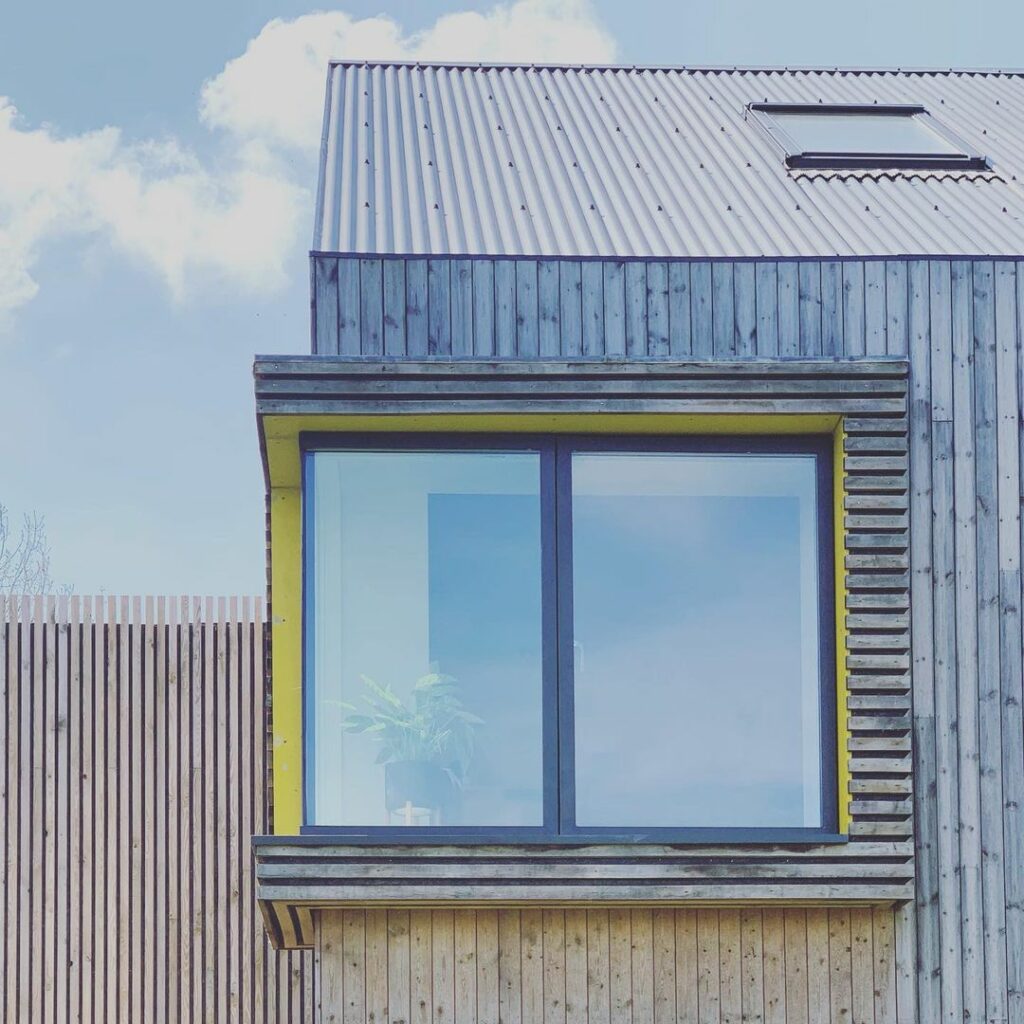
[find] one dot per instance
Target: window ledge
(297, 874)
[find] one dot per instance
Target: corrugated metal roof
(508, 160)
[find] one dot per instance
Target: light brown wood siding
(132, 733)
(624, 966)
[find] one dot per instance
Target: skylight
(875, 136)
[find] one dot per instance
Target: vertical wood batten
(129, 888)
(723, 306)
(745, 308)
(350, 327)
(966, 628)
(766, 288)
(788, 301)
(394, 306)
(325, 318)
(1010, 406)
(549, 314)
(570, 307)
(990, 822)
(658, 323)
(809, 284)
(635, 275)
(462, 307)
(920, 962)
(483, 308)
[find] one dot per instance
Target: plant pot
(417, 786)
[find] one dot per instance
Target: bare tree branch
(25, 559)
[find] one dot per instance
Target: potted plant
(426, 745)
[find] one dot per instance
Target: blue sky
(156, 173)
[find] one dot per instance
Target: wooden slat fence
(133, 734)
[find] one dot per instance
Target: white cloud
(153, 201)
(275, 90)
(237, 218)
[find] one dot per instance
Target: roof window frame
(967, 159)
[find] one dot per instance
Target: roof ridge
(476, 65)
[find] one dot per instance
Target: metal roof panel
(553, 160)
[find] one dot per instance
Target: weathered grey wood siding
(960, 324)
(638, 309)
(132, 736)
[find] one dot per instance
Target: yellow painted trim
(281, 439)
(286, 656)
(839, 574)
(281, 432)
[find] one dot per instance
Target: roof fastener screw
(592, 206)
(522, 207)
(435, 206)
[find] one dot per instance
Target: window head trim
(559, 827)
(966, 159)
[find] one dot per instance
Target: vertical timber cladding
(960, 323)
(131, 731)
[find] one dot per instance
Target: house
(644, 549)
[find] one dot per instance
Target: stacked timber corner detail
(864, 405)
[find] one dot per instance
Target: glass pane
(696, 640)
(427, 639)
(863, 133)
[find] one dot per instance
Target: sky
(157, 172)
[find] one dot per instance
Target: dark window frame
(967, 159)
(555, 454)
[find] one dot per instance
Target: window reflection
(427, 639)
(695, 596)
